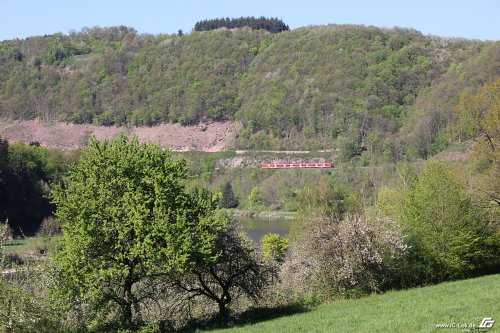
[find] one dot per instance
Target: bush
(13, 259)
(341, 257)
(6, 232)
(274, 247)
(49, 227)
(255, 197)
(26, 307)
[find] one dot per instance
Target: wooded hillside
(384, 93)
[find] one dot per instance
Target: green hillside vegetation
(135, 238)
(415, 310)
(374, 93)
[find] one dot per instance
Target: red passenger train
(296, 165)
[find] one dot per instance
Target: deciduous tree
(127, 219)
(479, 119)
(238, 271)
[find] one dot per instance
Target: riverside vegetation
(145, 245)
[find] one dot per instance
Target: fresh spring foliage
(450, 239)
(127, 218)
(450, 235)
(274, 247)
(255, 198)
(479, 119)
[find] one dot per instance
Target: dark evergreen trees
(228, 199)
(273, 25)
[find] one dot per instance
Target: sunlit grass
(414, 310)
(17, 245)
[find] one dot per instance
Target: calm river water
(258, 227)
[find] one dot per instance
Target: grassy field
(17, 245)
(30, 245)
(415, 310)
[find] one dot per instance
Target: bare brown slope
(210, 137)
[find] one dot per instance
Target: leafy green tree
(274, 247)
(228, 199)
(255, 197)
(238, 271)
(449, 239)
(479, 119)
(128, 219)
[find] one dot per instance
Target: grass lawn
(17, 245)
(414, 310)
(30, 244)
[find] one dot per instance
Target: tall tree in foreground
(128, 219)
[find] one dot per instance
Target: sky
(473, 19)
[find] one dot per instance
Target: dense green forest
(269, 24)
(25, 174)
(380, 94)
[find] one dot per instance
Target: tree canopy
(479, 119)
(127, 217)
(272, 25)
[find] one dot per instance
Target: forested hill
(362, 89)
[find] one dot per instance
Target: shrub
(255, 197)
(49, 227)
(341, 257)
(27, 307)
(274, 247)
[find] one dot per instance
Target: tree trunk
(127, 298)
(223, 312)
(127, 314)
